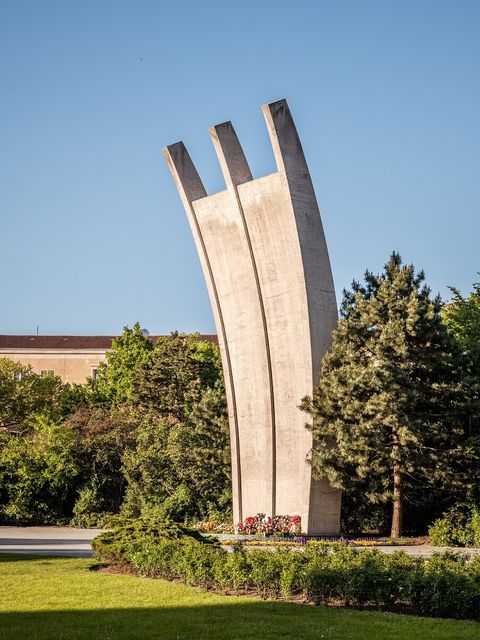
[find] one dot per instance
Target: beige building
(73, 358)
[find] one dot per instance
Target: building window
(94, 373)
(47, 372)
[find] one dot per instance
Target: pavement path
(51, 541)
(422, 550)
(67, 541)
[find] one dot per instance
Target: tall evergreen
(390, 410)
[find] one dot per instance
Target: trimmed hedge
(446, 585)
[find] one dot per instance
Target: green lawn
(62, 599)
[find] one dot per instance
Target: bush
(87, 511)
(37, 474)
(459, 527)
(320, 580)
(266, 571)
(471, 537)
(363, 577)
(445, 585)
(442, 533)
(233, 570)
(155, 560)
(132, 536)
(292, 577)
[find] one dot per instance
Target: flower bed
(214, 526)
(271, 525)
(326, 541)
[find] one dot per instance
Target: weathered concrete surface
(264, 255)
(51, 541)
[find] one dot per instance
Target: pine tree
(390, 409)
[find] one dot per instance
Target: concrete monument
(263, 252)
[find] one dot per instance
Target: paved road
(423, 550)
(56, 541)
(66, 541)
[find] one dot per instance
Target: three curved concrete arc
(263, 252)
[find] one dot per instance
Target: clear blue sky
(385, 95)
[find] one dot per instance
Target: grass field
(62, 599)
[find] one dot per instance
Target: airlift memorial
(265, 260)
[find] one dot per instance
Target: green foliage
(293, 574)
(135, 534)
(462, 316)
(180, 469)
(37, 473)
(199, 449)
(147, 468)
(172, 380)
(148, 436)
(180, 465)
(102, 438)
(87, 511)
(442, 533)
(471, 537)
(114, 380)
(445, 585)
(459, 527)
(265, 571)
(390, 411)
(23, 393)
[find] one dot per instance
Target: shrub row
(445, 585)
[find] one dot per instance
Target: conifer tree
(180, 368)
(390, 409)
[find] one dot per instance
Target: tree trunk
(397, 515)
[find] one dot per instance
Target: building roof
(70, 342)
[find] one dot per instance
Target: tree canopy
(462, 316)
(23, 393)
(113, 384)
(390, 410)
(148, 435)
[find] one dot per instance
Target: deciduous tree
(462, 317)
(113, 384)
(23, 393)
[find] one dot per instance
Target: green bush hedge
(446, 585)
(459, 527)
